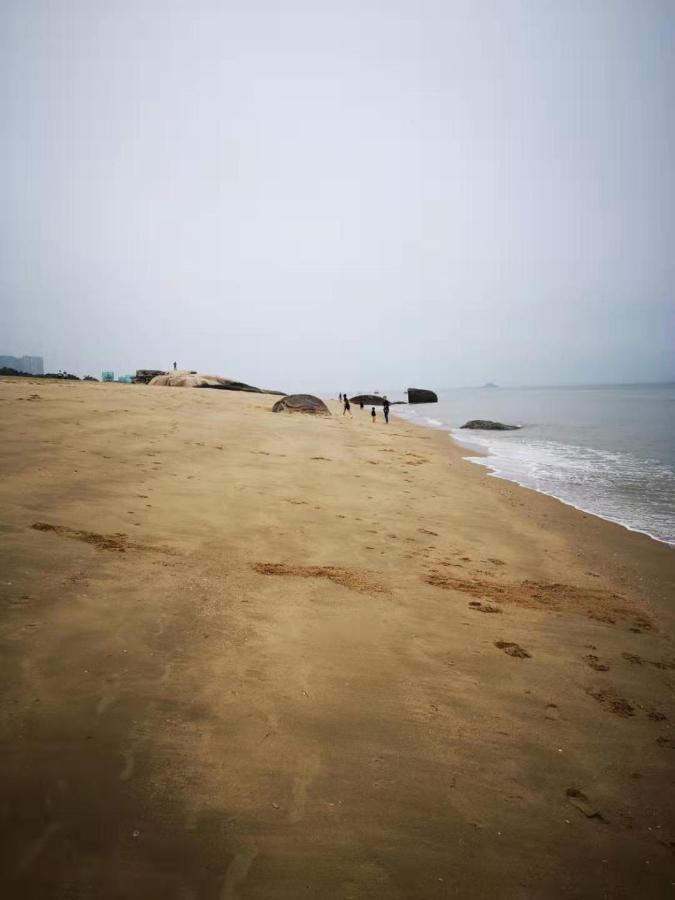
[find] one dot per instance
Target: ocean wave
(607, 451)
(614, 485)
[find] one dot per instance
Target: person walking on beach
(174, 367)
(347, 408)
(373, 414)
(340, 397)
(385, 407)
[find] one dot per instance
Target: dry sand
(248, 655)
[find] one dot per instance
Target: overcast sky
(329, 194)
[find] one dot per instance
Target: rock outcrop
(195, 380)
(419, 395)
(303, 403)
(145, 376)
(487, 425)
(368, 400)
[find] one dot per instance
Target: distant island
(490, 384)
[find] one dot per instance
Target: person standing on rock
(347, 408)
(385, 408)
(373, 414)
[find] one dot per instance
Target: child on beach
(373, 414)
(347, 408)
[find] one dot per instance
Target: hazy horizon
(341, 197)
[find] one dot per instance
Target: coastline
(595, 538)
(478, 454)
(249, 654)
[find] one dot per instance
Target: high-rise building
(31, 365)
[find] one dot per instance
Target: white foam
(590, 452)
(615, 486)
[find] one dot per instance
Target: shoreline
(258, 655)
(595, 538)
(478, 452)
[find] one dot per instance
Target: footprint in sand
(611, 701)
(166, 674)
(581, 802)
(307, 772)
(484, 607)
(237, 871)
(129, 765)
(513, 649)
(595, 663)
(38, 845)
(109, 697)
(552, 712)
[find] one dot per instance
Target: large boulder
(487, 425)
(303, 403)
(195, 380)
(368, 400)
(419, 395)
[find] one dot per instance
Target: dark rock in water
(486, 425)
(419, 395)
(368, 400)
(304, 403)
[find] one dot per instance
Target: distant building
(31, 365)
(107, 376)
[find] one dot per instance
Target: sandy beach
(248, 655)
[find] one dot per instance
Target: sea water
(608, 450)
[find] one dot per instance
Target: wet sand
(248, 655)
